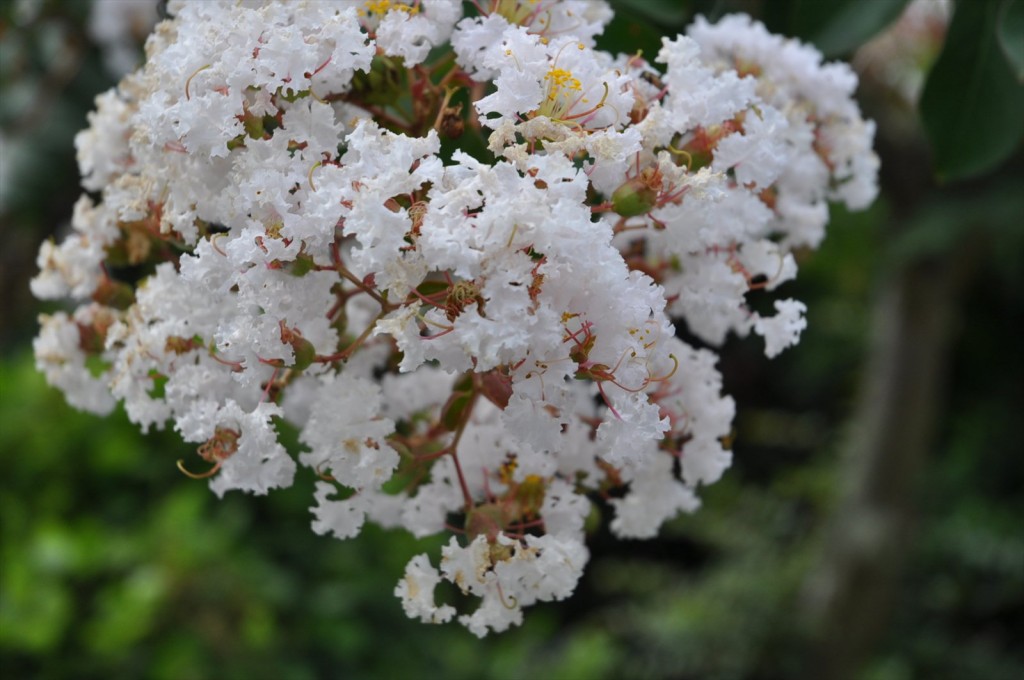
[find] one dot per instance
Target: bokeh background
(872, 525)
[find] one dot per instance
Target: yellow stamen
(188, 82)
(309, 176)
(202, 475)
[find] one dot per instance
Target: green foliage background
(115, 565)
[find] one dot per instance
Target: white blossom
(783, 329)
(416, 589)
(285, 231)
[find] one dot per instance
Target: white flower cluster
(287, 230)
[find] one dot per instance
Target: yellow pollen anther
(560, 79)
(382, 7)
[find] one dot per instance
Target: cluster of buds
(448, 244)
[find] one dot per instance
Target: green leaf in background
(664, 13)
(629, 34)
(836, 27)
(946, 223)
(972, 106)
(1011, 35)
(854, 23)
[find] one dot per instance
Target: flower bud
(452, 124)
(634, 197)
(301, 265)
(487, 519)
(382, 84)
(305, 353)
(116, 294)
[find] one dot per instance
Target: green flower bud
(305, 353)
(634, 197)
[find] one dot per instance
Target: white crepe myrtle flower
(508, 575)
(411, 30)
(783, 329)
(416, 590)
(285, 230)
(654, 496)
(61, 355)
(697, 96)
(792, 74)
(103, 151)
(346, 434)
(72, 268)
(478, 41)
(242, 445)
(562, 80)
(342, 518)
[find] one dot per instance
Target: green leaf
(854, 23)
(836, 27)
(946, 221)
(432, 287)
(972, 106)
(666, 13)
(629, 33)
(1010, 31)
(454, 410)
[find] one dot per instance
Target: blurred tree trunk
(850, 595)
